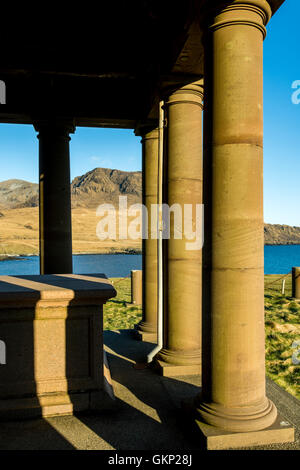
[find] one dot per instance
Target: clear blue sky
(120, 149)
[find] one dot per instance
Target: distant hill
(17, 194)
(103, 185)
(281, 235)
(98, 186)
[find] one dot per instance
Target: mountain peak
(98, 186)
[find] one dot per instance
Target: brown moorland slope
(19, 222)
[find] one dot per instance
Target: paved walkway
(147, 415)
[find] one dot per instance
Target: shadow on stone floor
(34, 434)
(148, 414)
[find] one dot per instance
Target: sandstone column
(137, 287)
(147, 328)
(181, 353)
(55, 197)
(233, 381)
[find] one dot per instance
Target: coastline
(11, 257)
(127, 251)
(282, 244)
(109, 251)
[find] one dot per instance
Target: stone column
(233, 375)
(137, 287)
(181, 353)
(55, 197)
(147, 328)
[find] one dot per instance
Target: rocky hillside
(16, 194)
(281, 235)
(103, 185)
(98, 186)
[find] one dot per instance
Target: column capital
(256, 13)
(143, 128)
(151, 134)
(192, 93)
(58, 126)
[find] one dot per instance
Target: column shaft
(181, 353)
(55, 199)
(233, 278)
(136, 287)
(147, 328)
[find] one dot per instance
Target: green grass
(118, 313)
(282, 322)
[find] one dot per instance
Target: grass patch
(282, 325)
(119, 313)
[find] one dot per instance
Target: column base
(218, 439)
(145, 336)
(144, 331)
(254, 417)
(172, 370)
(171, 363)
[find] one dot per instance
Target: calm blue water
(111, 265)
(278, 260)
(281, 259)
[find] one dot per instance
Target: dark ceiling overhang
(100, 66)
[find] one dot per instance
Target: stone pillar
(296, 283)
(181, 352)
(137, 287)
(233, 374)
(147, 328)
(55, 197)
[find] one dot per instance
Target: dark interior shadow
(131, 425)
(31, 434)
